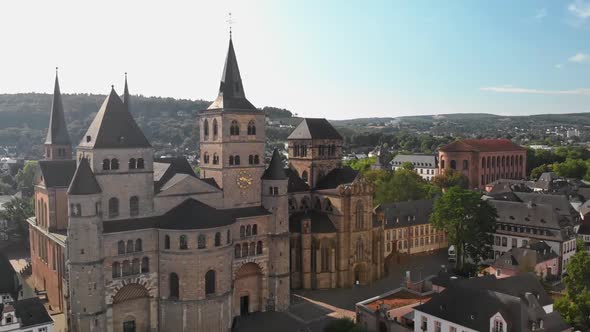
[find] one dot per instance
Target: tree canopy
(16, 211)
(450, 178)
(575, 305)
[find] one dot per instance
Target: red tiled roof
(482, 145)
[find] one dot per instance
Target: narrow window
(242, 231)
(254, 229)
(114, 163)
(259, 248)
(252, 248)
(130, 246)
(183, 244)
(126, 268)
(121, 248)
(135, 266)
(210, 282)
(251, 159)
(140, 163)
(174, 286)
(106, 165)
(166, 242)
(237, 160)
(206, 129)
(256, 160)
(116, 270)
(248, 230)
(217, 239)
(214, 128)
(113, 207)
(138, 245)
(245, 250)
(132, 163)
(201, 241)
(231, 160)
(145, 265)
(238, 251)
(228, 237)
(134, 206)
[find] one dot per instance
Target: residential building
(425, 165)
(484, 160)
(537, 257)
(28, 315)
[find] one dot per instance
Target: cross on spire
(230, 21)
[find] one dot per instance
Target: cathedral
(124, 241)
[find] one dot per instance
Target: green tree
(343, 325)
(571, 168)
(450, 178)
(362, 165)
(408, 165)
(537, 171)
(402, 185)
(16, 211)
(26, 176)
(468, 222)
(575, 305)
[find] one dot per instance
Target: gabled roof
(57, 173)
(296, 184)
(482, 145)
(114, 127)
(57, 133)
(310, 128)
(560, 203)
(166, 168)
(84, 182)
(231, 90)
(402, 214)
(526, 214)
(525, 257)
(320, 222)
(418, 160)
(336, 177)
(31, 312)
(275, 170)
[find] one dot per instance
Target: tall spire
(57, 133)
(126, 99)
(231, 91)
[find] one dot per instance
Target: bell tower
(232, 140)
(57, 143)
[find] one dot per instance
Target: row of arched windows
(113, 164)
(114, 206)
(504, 161)
(299, 150)
(305, 204)
(248, 230)
(206, 129)
(174, 284)
(201, 241)
(129, 247)
(129, 268)
(234, 129)
(233, 160)
(245, 249)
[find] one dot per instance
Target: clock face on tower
(244, 180)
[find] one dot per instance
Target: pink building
(536, 257)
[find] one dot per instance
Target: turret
(274, 198)
(85, 252)
(57, 143)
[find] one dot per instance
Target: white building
(426, 165)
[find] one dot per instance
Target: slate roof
(403, 214)
(57, 133)
(561, 205)
(312, 128)
(166, 168)
(482, 145)
(190, 214)
(114, 127)
(535, 215)
(275, 170)
(31, 312)
(296, 184)
(84, 181)
(320, 222)
(7, 277)
(336, 177)
(545, 181)
(57, 173)
(231, 90)
(525, 257)
(211, 181)
(418, 160)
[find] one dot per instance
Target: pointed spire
(275, 170)
(126, 100)
(231, 91)
(84, 182)
(57, 133)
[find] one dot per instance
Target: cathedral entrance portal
(131, 309)
(248, 289)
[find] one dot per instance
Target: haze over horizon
(329, 59)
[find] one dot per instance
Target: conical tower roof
(114, 127)
(126, 97)
(231, 91)
(57, 133)
(275, 170)
(84, 182)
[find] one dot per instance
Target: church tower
(57, 143)
(274, 198)
(232, 140)
(85, 252)
(121, 158)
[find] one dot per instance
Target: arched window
(237, 160)
(201, 241)
(206, 157)
(245, 250)
(174, 286)
(360, 248)
(234, 129)
(360, 212)
(325, 258)
(304, 176)
(251, 128)
(228, 237)
(140, 163)
(483, 162)
(238, 251)
(210, 282)
(116, 270)
(132, 163)
(254, 229)
(135, 266)
(145, 265)
(183, 242)
(166, 242)
(215, 159)
(206, 129)
(453, 164)
(217, 239)
(251, 159)
(259, 248)
(252, 248)
(214, 128)
(248, 230)
(126, 268)
(256, 160)
(121, 248)
(134, 206)
(138, 245)
(130, 246)
(242, 231)
(295, 150)
(114, 163)
(113, 207)
(106, 165)
(231, 160)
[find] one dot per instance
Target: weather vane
(229, 21)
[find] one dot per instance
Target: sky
(333, 59)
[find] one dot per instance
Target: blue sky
(335, 59)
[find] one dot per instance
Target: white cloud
(580, 8)
(559, 66)
(580, 58)
(541, 13)
(510, 89)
